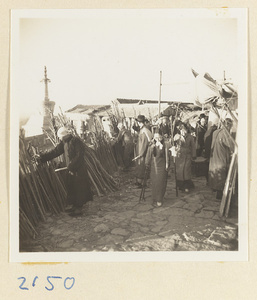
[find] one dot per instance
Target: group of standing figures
(154, 152)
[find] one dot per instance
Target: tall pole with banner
(160, 94)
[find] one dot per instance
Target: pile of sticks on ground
(41, 191)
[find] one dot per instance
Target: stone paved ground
(118, 222)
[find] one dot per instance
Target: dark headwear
(228, 121)
(184, 125)
(178, 123)
(156, 130)
(141, 118)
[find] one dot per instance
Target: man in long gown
(144, 137)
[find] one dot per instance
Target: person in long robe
(77, 179)
(186, 151)
(221, 149)
(157, 161)
(144, 137)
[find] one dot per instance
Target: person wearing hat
(77, 180)
(144, 137)
(221, 149)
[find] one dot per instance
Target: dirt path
(118, 222)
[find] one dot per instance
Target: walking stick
(175, 173)
(142, 194)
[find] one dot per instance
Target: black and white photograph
(128, 135)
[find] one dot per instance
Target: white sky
(119, 54)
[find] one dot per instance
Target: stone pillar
(48, 106)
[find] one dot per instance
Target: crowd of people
(172, 140)
(154, 150)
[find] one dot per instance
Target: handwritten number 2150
(68, 282)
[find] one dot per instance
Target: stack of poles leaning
(102, 146)
(118, 160)
(42, 190)
(118, 117)
(229, 188)
(101, 181)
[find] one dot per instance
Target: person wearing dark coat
(185, 148)
(77, 180)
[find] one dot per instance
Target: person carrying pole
(142, 194)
